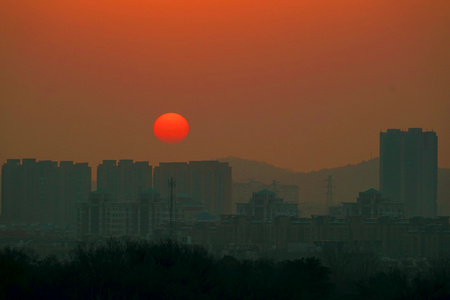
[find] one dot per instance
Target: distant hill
(348, 180)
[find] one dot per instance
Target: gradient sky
(301, 84)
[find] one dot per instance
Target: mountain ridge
(348, 180)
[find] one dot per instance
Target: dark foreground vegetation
(166, 270)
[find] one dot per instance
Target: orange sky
(299, 84)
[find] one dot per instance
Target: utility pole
(171, 183)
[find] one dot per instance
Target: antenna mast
(171, 184)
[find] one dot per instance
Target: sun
(171, 128)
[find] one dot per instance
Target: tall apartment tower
(75, 186)
(408, 169)
(211, 185)
(12, 191)
(179, 171)
(125, 180)
(43, 192)
(208, 182)
(30, 191)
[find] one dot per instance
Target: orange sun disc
(171, 128)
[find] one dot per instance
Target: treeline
(167, 270)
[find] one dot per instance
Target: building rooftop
(372, 191)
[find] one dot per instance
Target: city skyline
(296, 84)
(254, 149)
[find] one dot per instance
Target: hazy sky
(301, 84)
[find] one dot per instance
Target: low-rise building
(243, 191)
(264, 206)
(149, 215)
(369, 204)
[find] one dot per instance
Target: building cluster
(43, 191)
(147, 216)
(208, 182)
(370, 204)
(201, 192)
(196, 202)
(264, 206)
(408, 178)
(286, 236)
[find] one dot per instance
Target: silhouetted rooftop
(372, 191)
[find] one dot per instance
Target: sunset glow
(293, 83)
(171, 128)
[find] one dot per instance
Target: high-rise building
(107, 177)
(75, 186)
(179, 171)
(42, 191)
(208, 182)
(211, 185)
(30, 191)
(12, 192)
(408, 169)
(125, 180)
